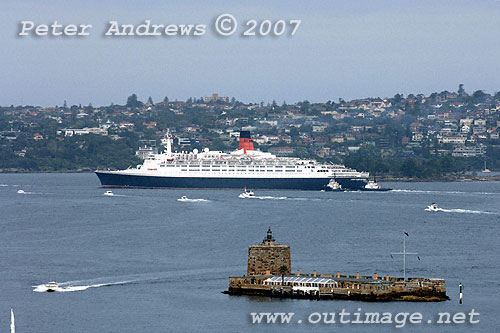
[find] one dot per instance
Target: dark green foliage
(77, 153)
(370, 159)
(132, 102)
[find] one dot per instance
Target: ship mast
(167, 142)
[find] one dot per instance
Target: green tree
(283, 270)
(133, 102)
(461, 89)
(409, 167)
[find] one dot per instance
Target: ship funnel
(246, 142)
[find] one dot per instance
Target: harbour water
(142, 261)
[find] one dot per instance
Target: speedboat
(247, 194)
(432, 208)
(51, 286)
(109, 193)
(334, 186)
(21, 192)
(184, 198)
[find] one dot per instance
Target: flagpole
(404, 257)
(404, 254)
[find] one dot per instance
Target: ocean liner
(241, 168)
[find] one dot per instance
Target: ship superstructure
(244, 167)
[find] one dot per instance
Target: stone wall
(263, 258)
(364, 289)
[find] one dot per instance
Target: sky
(342, 49)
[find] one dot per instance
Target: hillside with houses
(441, 136)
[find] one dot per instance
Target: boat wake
(463, 211)
(268, 197)
(24, 192)
(193, 200)
(32, 193)
(444, 192)
(68, 287)
(145, 278)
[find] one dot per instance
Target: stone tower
(268, 257)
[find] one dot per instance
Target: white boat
(372, 185)
(243, 167)
(247, 194)
(334, 186)
(21, 192)
(432, 208)
(51, 286)
(109, 193)
(184, 197)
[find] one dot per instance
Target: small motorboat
(21, 192)
(51, 286)
(109, 193)
(247, 194)
(184, 197)
(334, 186)
(432, 208)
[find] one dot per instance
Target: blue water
(149, 263)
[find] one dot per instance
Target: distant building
(472, 151)
(282, 151)
(20, 153)
(127, 125)
(183, 141)
(453, 139)
(82, 131)
(216, 98)
(271, 139)
(318, 128)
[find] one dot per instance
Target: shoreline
(381, 179)
(10, 171)
(444, 179)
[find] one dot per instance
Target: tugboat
(247, 194)
(374, 186)
(334, 186)
(51, 286)
(432, 208)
